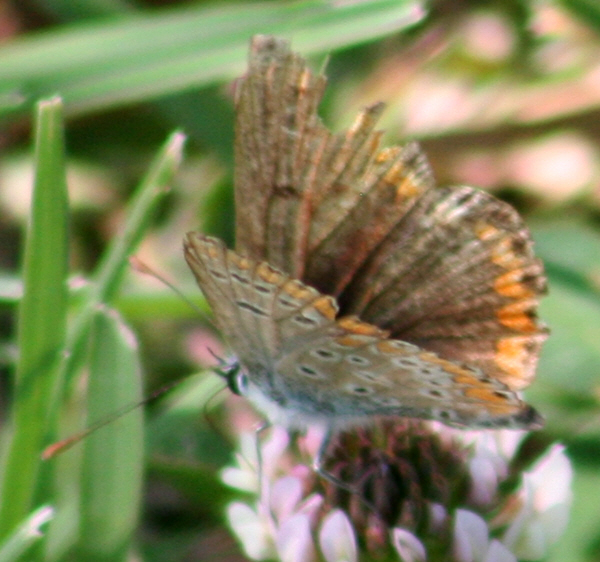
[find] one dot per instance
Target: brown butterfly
(358, 288)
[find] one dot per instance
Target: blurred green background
(502, 95)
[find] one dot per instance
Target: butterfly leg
(259, 460)
(318, 467)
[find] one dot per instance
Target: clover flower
(414, 491)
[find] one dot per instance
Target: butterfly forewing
(339, 370)
(277, 135)
(307, 198)
(257, 307)
(346, 374)
(450, 269)
(359, 288)
(225, 279)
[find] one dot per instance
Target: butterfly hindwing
(459, 270)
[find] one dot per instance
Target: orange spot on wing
(395, 173)
(386, 346)
(238, 261)
(211, 250)
(351, 341)
(298, 290)
(460, 375)
(509, 285)
(387, 154)
(511, 357)
(495, 403)
(326, 306)
(408, 188)
(355, 326)
(504, 256)
(466, 379)
(485, 231)
(515, 316)
(269, 274)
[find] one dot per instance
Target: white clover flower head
(418, 486)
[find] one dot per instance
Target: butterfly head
(234, 376)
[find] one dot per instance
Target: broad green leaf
(112, 468)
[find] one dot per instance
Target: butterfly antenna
(220, 360)
(138, 265)
(209, 419)
(221, 369)
(259, 457)
(65, 444)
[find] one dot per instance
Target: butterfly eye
(237, 381)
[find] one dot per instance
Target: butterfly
(358, 288)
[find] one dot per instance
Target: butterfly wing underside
(257, 307)
(450, 269)
(458, 277)
(340, 371)
(310, 202)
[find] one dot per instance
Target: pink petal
(250, 530)
(285, 494)
(470, 536)
(409, 547)
(337, 539)
(294, 540)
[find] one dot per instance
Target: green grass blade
(42, 320)
(141, 210)
(103, 286)
(26, 534)
(67, 10)
(107, 279)
(133, 58)
(113, 455)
